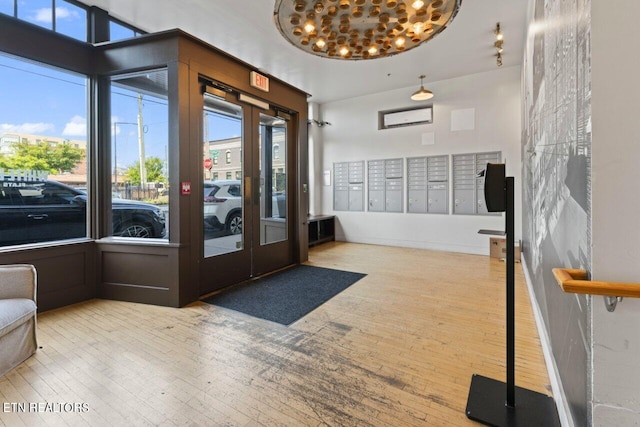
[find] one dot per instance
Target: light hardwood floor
(397, 348)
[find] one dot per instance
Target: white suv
(223, 205)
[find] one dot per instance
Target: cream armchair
(17, 315)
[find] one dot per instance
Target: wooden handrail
(575, 281)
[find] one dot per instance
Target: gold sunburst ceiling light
(361, 29)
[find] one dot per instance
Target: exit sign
(259, 81)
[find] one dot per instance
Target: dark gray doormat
(288, 295)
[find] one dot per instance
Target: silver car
(223, 205)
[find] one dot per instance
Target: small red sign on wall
(185, 188)
(259, 81)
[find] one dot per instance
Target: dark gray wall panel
(136, 269)
(556, 183)
(66, 273)
(43, 45)
(139, 273)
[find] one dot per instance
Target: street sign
(208, 164)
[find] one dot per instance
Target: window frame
(86, 78)
(95, 20)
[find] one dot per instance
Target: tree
(43, 156)
(154, 166)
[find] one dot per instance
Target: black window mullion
(98, 25)
(53, 15)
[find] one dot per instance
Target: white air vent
(408, 117)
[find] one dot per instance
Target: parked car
(223, 205)
(42, 211)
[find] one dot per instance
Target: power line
(83, 84)
(136, 98)
(44, 75)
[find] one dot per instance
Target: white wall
(616, 209)
(353, 135)
(315, 161)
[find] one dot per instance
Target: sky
(69, 18)
(43, 101)
(40, 100)
(37, 100)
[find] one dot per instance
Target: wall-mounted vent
(405, 117)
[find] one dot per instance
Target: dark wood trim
(66, 272)
(29, 41)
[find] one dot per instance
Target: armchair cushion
(15, 312)
(17, 281)
(18, 313)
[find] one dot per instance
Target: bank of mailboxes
(385, 185)
(428, 184)
(468, 185)
(427, 180)
(348, 187)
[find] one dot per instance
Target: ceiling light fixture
(499, 35)
(498, 45)
(422, 94)
(361, 29)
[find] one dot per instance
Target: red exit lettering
(259, 81)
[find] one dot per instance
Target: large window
(61, 16)
(120, 31)
(43, 152)
(70, 20)
(66, 17)
(7, 7)
(139, 148)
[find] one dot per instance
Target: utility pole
(115, 156)
(143, 167)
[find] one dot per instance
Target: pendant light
(422, 94)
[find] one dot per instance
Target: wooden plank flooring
(398, 348)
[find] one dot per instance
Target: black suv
(42, 211)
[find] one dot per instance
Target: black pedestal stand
(493, 402)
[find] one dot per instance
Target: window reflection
(43, 154)
(139, 138)
(223, 213)
(273, 179)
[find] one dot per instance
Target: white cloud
(30, 128)
(64, 13)
(76, 127)
(44, 15)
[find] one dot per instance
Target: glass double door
(247, 204)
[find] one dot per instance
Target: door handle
(247, 190)
(256, 189)
(38, 216)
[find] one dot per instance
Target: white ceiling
(245, 29)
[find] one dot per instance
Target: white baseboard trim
(564, 412)
(434, 246)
